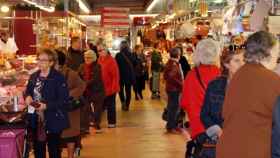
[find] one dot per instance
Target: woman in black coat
(48, 94)
(140, 71)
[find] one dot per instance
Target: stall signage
(112, 17)
(140, 21)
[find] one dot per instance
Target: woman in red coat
(110, 77)
(206, 59)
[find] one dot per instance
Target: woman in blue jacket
(211, 113)
(47, 93)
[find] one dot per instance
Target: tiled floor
(140, 134)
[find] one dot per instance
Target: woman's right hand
(28, 100)
(220, 133)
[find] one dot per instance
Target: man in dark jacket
(75, 55)
(126, 64)
(174, 84)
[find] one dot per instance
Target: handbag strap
(199, 78)
(128, 61)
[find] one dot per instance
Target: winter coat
(55, 95)
(211, 112)
(126, 69)
(185, 65)
(140, 67)
(193, 95)
(110, 74)
(74, 59)
(95, 86)
(156, 61)
(173, 76)
(248, 112)
(76, 88)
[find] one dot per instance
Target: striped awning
(115, 17)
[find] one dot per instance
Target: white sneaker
(112, 126)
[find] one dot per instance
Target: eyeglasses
(234, 47)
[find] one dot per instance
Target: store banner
(115, 17)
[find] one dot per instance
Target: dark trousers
(139, 86)
(98, 110)
(85, 116)
(172, 109)
(53, 146)
(125, 93)
(110, 105)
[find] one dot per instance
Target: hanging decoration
(187, 30)
(203, 8)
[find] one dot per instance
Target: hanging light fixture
(152, 5)
(5, 8)
(48, 8)
(83, 6)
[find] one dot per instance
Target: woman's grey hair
(258, 46)
(207, 52)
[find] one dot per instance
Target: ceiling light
(131, 16)
(5, 9)
(83, 6)
(152, 5)
(45, 8)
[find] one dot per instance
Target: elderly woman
(47, 92)
(249, 102)
(76, 86)
(91, 73)
(111, 79)
(206, 57)
(211, 111)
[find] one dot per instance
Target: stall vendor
(8, 45)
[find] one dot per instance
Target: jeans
(172, 109)
(155, 82)
(110, 104)
(53, 146)
(208, 153)
(125, 98)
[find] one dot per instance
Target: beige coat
(247, 113)
(76, 87)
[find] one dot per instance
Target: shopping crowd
(72, 88)
(230, 95)
(231, 98)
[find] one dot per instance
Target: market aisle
(140, 134)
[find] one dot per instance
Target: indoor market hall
(139, 79)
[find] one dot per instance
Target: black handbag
(195, 146)
(75, 104)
